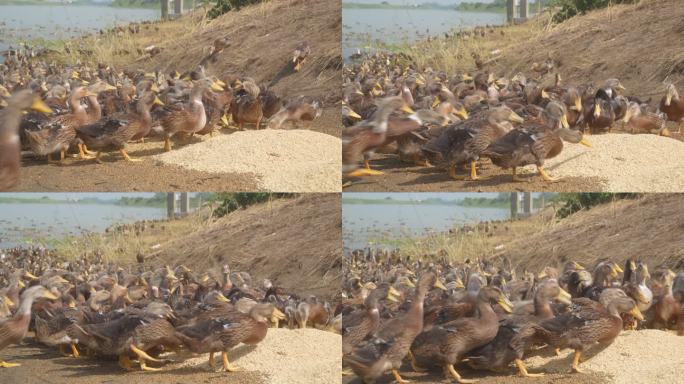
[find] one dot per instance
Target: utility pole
(514, 205)
(184, 203)
(171, 205)
(527, 203)
(164, 9)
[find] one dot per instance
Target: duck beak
(157, 101)
(462, 113)
(632, 265)
(89, 93)
(110, 87)
(544, 94)
(420, 81)
(221, 83)
(505, 304)
(50, 296)
(564, 122)
(440, 285)
(564, 297)
(577, 265)
(435, 103)
(620, 87)
(220, 297)
(353, 114)
(40, 106)
(459, 283)
(216, 87)
(636, 313)
(9, 302)
(665, 132)
(21, 284)
(407, 109)
(541, 275)
(75, 75)
(72, 304)
(154, 88)
(514, 117)
(358, 92)
(224, 120)
(393, 295)
(647, 274)
(668, 98)
(467, 77)
(29, 275)
(410, 283)
(597, 110)
(617, 268)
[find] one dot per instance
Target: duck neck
(542, 307)
(485, 310)
(25, 307)
(96, 112)
(144, 112)
(380, 121)
(76, 107)
(415, 312)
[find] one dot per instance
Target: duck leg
(98, 157)
(517, 178)
(397, 377)
(74, 350)
(545, 175)
(85, 149)
(82, 154)
(679, 126)
(143, 357)
(473, 170)
(212, 362)
(167, 144)
(226, 364)
(449, 371)
(575, 362)
(365, 172)
(452, 173)
(414, 363)
(128, 158)
(523, 370)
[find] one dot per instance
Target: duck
(673, 107)
(189, 117)
(10, 148)
(586, 322)
(247, 106)
(14, 329)
(114, 132)
(57, 134)
(301, 108)
(463, 142)
(537, 141)
(368, 135)
(386, 350)
(447, 344)
(220, 334)
(301, 52)
(362, 323)
(636, 120)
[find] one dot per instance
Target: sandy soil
(286, 356)
(281, 160)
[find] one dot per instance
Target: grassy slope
(649, 228)
(263, 38)
(295, 242)
(639, 44)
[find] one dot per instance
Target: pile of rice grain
(647, 356)
(627, 163)
(289, 356)
(281, 160)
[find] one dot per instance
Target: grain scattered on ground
(290, 356)
(626, 163)
(646, 356)
(281, 160)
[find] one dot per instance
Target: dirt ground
(402, 177)
(269, 362)
(117, 175)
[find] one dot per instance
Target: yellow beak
(157, 101)
(353, 114)
(564, 297)
(40, 106)
(49, 295)
(564, 122)
(407, 109)
(505, 304)
(439, 285)
(636, 313)
(585, 142)
(597, 110)
(8, 302)
(216, 87)
(514, 117)
(109, 87)
(224, 119)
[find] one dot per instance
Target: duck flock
(453, 120)
(439, 314)
(50, 109)
(91, 307)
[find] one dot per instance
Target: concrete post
(171, 205)
(164, 9)
(178, 7)
(514, 205)
(527, 202)
(524, 9)
(510, 11)
(184, 203)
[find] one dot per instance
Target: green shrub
(229, 202)
(570, 8)
(574, 202)
(223, 6)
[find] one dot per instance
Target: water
(362, 223)
(21, 222)
(51, 22)
(395, 26)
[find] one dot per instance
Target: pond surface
(27, 22)
(364, 223)
(396, 26)
(29, 222)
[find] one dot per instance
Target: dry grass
(640, 44)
